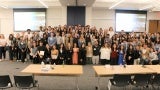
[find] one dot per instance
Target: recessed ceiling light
(114, 5)
(43, 3)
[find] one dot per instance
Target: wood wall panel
(153, 26)
(158, 30)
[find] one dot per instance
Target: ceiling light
(3, 6)
(116, 4)
(43, 3)
(146, 7)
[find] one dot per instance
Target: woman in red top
(114, 55)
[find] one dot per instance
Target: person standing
(130, 55)
(121, 55)
(52, 40)
(105, 54)
(96, 48)
(40, 50)
(69, 52)
(10, 47)
(136, 55)
(23, 48)
(75, 54)
(81, 40)
(54, 55)
(33, 53)
(111, 32)
(82, 55)
(47, 54)
(44, 39)
(2, 47)
(144, 54)
(114, 55)
(69, 39)
(62, 54)
(89, 53)
(58, 39)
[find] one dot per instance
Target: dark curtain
(75, 15)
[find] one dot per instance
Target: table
(107, 70)
(154, 68)
(59, 70)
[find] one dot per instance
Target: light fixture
(43, 3)
(152, 6)
(114, 5)
(146, 7)
(3, 6)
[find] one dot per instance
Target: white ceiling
(120, 4)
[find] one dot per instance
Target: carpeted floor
(87, 81)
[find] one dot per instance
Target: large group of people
(81, 45)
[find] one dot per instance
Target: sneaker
(25, 60)
(0, 60)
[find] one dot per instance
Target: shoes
(25, 60)
(18, 60)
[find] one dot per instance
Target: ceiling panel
(77, 2)
(28, 3)
(128, 4)
(85, 2)
(125, 4)
(68, 2)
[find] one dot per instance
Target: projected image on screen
(130, 22)
(28, 20)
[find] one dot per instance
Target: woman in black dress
(130, 55)
(47, 54)
(69, 52)
(62, 54)
(82, 55)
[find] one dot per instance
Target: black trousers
(23, 56)
(69, 61)
(105, 61)
(2, 52)
(114, 61)
(54, 61)
(11, 52)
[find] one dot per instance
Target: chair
(5, 82)
(156, 81)
(25, 82)
(141, 80)
(120, 80)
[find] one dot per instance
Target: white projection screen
(131, 21)
(29, 19)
